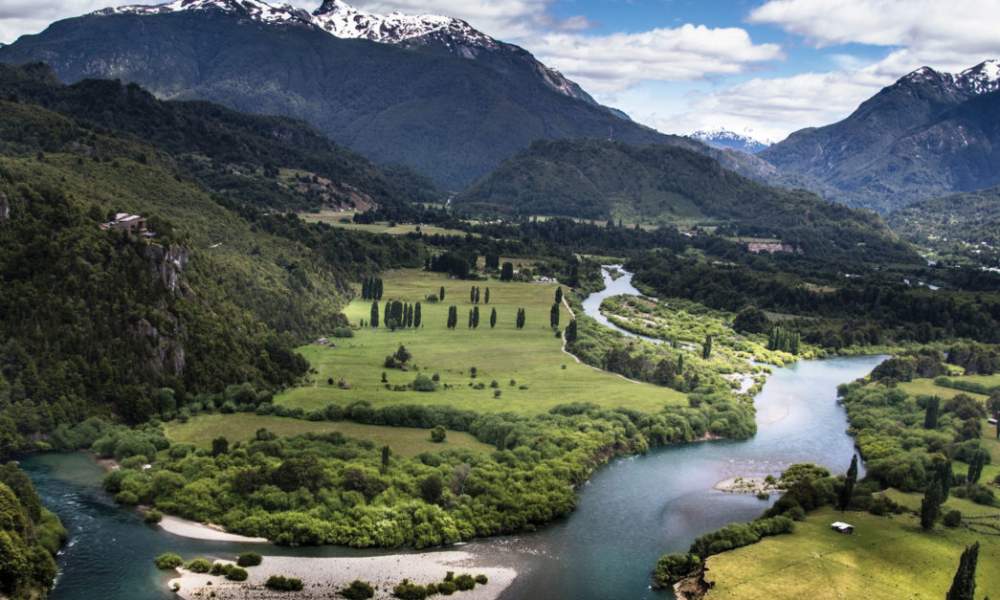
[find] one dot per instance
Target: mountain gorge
(928, 134)
(428, 92)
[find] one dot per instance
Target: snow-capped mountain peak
(344, 21)
(254, 9)
(727, 139)
(982, 78)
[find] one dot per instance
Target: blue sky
(767, 67)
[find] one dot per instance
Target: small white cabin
(841, 527)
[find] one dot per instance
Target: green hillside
(665, 184)
(960, 226)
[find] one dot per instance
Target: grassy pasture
(885, 559)
(404, 441)
(532, 357)
(334, 218)
(927, 387)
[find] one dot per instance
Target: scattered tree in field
(848, 490)
(963, 586)
(417, 318)
(472, 295)
(475, 317)
(993, 405)
(507, 272)
(441, 294)
(220, 445)
(571, 332)
(373, 320)
(386, 454)
(358, 590)
(680, 364)
(452, 316)
(470, 318)
(559, 294)
(554, 316)
(438, 434)
(487, 296)
(493, 261)
(976, 463)
(931, 412)
(706, 348)
(431, 488)
(521, 318)
(493, 313)
(930, 506)
(402, 355)
(386, 314)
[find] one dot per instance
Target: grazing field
(927, 387)
(885, 559)
(543, 375)
(404, 441)
(336, 218)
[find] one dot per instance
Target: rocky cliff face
(168, 264)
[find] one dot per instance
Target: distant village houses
(133, 224)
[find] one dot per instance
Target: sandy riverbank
(190, 529)
(747, 485)
(324, 576)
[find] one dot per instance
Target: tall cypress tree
(374, 316)
(378, 288)
(930, 506)
(848, 490)
(706, 348)
(441, 294)
(364, 288)
(487, 295)
(470, 318)
(554, 316)
(571, 332)
(963, 586)
(931, 412)
(452, 316)
(417, 317)
(493, 313)
(558, 294)
(472, 295)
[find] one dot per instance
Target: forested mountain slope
(928, 134)
(98, 320)
(664, 184)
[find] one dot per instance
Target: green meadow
(531, 371)
(927, 387)
(887, 558)
(404, 441)
(337, 218)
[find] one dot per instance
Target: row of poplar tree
(397, 315)
(371, 288)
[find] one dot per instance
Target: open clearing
(404, 441)
(886, 558)
(927, 387)
(335, 218)
(531, 357)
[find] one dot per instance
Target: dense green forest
(100, 321)
(30, 537)
(962, 228)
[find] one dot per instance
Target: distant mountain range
(429, 92)
(927, 135)
(726, 139)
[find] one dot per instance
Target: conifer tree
(963, 586)
(930, 506)
(378, 288)
(507, 272)
(470, 318)
(493, 313)
(417, 317)
(365, 289)
(386, 453)
(475, 317)
(441, 294)
(571, 332)
(452, 316)
(554, 316)
(387, 313)
(487, 296)
(374, 316)
(976, 464)
(931, 412)
(472, 295)
(680, 364)
(848, 490)
(559, 294)
(706, 348)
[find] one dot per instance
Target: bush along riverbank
(30, 538)
(328, 489)
(917, 447)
